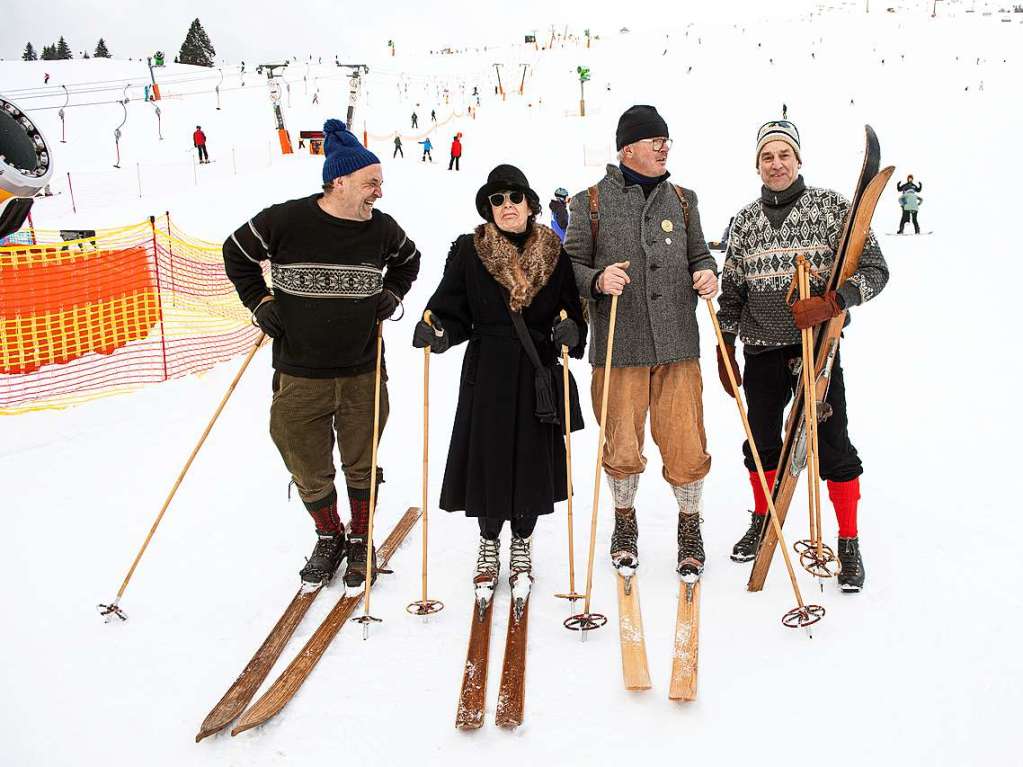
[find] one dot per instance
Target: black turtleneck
(646, 183)
(777, 205)
(518, 239)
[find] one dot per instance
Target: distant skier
(46, 77)
(338, 267)
(910, 202)
(433, 115)
(397, 147)
(427, 149)
(415, 120)
(316, 96)
(199, 141)
(785, 111)
(909, 183)
(559, 212)
(790, 219)
(456, 152)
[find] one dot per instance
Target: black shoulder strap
(524, 338)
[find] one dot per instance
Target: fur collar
(523, 276)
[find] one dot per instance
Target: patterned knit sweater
(760, 263)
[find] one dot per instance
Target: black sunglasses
(497, 200)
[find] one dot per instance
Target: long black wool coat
(503, 463)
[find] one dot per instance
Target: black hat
(639, 122)
(501, 179)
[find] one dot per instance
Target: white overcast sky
(255, 30)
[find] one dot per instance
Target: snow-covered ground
(923, 667)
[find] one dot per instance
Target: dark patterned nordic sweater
(760, 261)
(328, 274)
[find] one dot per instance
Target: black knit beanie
(639, 122)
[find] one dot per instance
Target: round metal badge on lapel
(667, 226)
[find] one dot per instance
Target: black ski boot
(355, 572)
(326, 557)
(850, 580)
(625, 542)
(746, 549)
(690, 548)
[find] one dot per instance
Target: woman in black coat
(507, 455)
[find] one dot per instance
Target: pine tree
(101, 50)
(63, 50)
(197, 48)
(29, 54)
(49, 53)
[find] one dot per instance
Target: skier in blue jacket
(427, 149)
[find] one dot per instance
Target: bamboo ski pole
(426, 606)
(815, 477)
(809, 400)
(803, 615)
(366, 618)
(113, 608)
(586, 621)
(571, 595)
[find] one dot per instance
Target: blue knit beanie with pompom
(344, 152)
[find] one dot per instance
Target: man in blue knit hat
(338, 267)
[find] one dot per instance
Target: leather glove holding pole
(431, 334)
(723, 371)
(268, 319)
(812, 311)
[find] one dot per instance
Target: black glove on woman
(430, 335)
(566, 333)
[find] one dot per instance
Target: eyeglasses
(497, 200)
(658, 144)
(783, 124)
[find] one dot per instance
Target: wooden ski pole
(586, 621)
(426, 606)
(803, 615)
(810, 400)
(365, 619)
(113, 608)
(571, 596)
(811, 376)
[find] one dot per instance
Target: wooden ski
(685, 660)
(630, 631)
(826, 340)
(511, 698)
(240, 693)
(472, 699)
(287, 684)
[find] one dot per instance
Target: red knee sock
(759, 499)
(845, 497)
(324, 514)
(359, 502)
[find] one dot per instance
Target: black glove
(268, 319)
(386, 305)
(432, 336)
(566, 333)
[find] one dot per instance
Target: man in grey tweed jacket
(791, 219)
(649, 250)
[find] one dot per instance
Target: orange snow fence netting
(110, 311)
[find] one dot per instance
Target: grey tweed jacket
(656, 322)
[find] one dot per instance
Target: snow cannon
(25, 167)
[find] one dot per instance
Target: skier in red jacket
(199, 141)
(456, 151)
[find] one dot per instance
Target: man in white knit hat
(787, 220)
